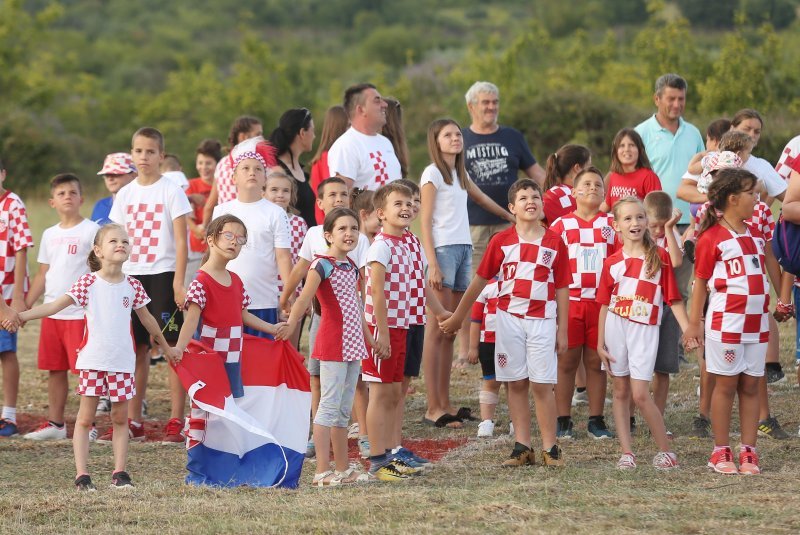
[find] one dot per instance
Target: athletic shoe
(173, 432)
(135, 434)
(722, 462)
(665, 460)
(554, 457)
(389, 472)
(103, 407)
(486, 429)
(407, 455)
(701, 427)
(598, 429)
(627, 462)
(748, 462)
(8, 428)
(93, 434)
(520, 458)
(770, 428)
(580, 398)
(775, 376)
(564, 431)
(47, 431)
(121, 480)
(353, 431)
(84, 483)
(406, 466)
(311, 450)
(363, 447)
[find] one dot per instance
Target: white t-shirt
(450, 220)
(108, 337)
(267, 229)
(147, 213)
(314, 244)
(760, 167)
(177, 178)
(369, 161)
(65, 251)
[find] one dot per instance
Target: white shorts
(525, 348)
(633, 346)
(733, 359)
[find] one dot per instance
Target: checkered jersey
(80, 292)
(790, 159)
(392, 253)
(761, 219)
(197, 294)
(297, 232)
(733, 265)
(627, 291)
(589, 243)
(15, 235)
(223, 176)
(416, 313)
(530, 272)
(557, 202)
(484, 311)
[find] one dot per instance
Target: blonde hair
(652, 260)
(95, 264)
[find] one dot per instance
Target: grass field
(465, 493)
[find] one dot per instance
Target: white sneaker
(580, 398)
(353, 430)
(48, 431)
(93, 434)
(103, 407)
(486, 429)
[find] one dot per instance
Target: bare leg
(520, 410)
(383, 400)
(140, 378)
(57, 387)
(725, 388)
(748, 408)
(119, 440)
(622, 412)
(488, 410)
(10, 378)
(80, 436)
(640, 391)
(596, 381)
(360, 402)
(545, 401)
(338, 438)
(322, 445)
(177, 396)
(660, 390)
(706, 387)
(567, 367)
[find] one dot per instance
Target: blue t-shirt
(101, 211)
(493, 162)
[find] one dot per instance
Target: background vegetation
(79, 76)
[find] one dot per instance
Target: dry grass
(465, 493)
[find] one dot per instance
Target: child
(154, 213)
(207, 155)
(635, 283)
(560, 171)
(118, 171)
(590, 239)
(630, 174)
(62, 261)
(107, 360)
(334, 279)
(687, 190)
(361, 203)
(172, 170)
(532, 314)
(15, 238)
(733, 260)
(481, 349)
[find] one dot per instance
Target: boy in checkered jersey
(15, 238)
(532, 315)
(481, 349)
(154, 211)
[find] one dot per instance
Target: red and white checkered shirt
(558, 202)
(223, 177)
(589, 243)
(392, 253)
(297, 233)
(416, 314)
(790, 159)
(761, 219)
(734, 266)
(530, 272)
(629, 293)
(484, 311)
(15, 235)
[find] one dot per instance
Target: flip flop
(444, 421)
(465, 413)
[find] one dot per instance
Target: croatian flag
(258, 439)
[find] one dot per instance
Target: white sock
(10, 414)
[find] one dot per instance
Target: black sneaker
(770, 428)
(564, 429)
(701, 427)
(121, 480)
(84, 483)
(598, 429)
(775, 375)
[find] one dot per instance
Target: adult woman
(293, 137)
(336, 123)
(750, 122)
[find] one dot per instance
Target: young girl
(562, 166)
(447, 243)
(590, 239)
(106, 361)
(630, 174)
(635, 283)
(334, 279)
(733, 260)
(361, 203)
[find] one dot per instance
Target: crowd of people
(553, 282)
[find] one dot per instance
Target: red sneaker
(135, 433)
(173, 432)
(748, 462)
(722, 462)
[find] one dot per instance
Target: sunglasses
(230, 236)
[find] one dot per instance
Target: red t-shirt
(636, 184)
(319, 172)
(198, 185)
(558, 201)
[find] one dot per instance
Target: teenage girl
(334, 279)
(561, 169)
(635, 283)
(630, 174)
(106, 361)
(733, 259)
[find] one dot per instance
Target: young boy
(15, 238)
(154, 213)
(62, 261)
(532, 313)
(118, 171)
(208, 153)
(172, 170)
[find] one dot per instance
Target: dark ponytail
(727, 182)
(561, 162)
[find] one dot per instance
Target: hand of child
(284, 331)
(11, 320)
(690, 344)
(180, 295)
(693, 334)
(278, 328)
(173, 354)
(381, 348)
(434, 276)
(605, 358)
(676, 216)
(450, 326)
(472, 355)
(783, 311)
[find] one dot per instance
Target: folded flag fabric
(258, 439)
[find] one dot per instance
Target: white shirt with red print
(147, 213)
(629, 293)
(734, 266)
(369, 161)
(419, 263)
(392, 253)
(15, 235)
(64, 251)
(484, 311)
(530, 272)
(108, 339)
(761, 219)
(589, 243)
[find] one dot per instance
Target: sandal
(465, 413)
(352, 476)
(320, 480)
(445, 420)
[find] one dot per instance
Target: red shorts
(59, 341)
(583, 318)
(389, 370)
(118, 386)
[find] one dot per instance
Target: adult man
(494, 155)
(361, 156)
(669, 140)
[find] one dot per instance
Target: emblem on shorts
(502, 360)
(126, 302)
(730, 355)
